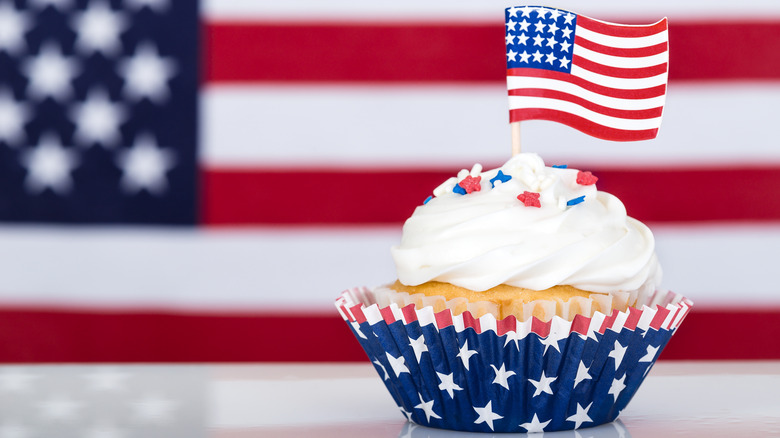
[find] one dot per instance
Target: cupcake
(526, 301)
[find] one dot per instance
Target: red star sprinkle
(586, 178)
(471, 184)
(530, 199)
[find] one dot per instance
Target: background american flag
(178, 181)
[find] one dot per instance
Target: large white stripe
(525, 102)
(621, 61)
(293, 268)
(621, 42)
(620, 83)
(515, 82)
(493, 10)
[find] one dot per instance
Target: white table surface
(688, 399)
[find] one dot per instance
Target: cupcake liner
(486, 375)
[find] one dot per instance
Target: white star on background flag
(618, 353)
(13, 25)
(465, 354)
(427, 407)
(486, 415)
(582, 374)
(57, 4)
(418, 345)
(98, 29)
(617, 387)
(154, 408)
(144, 166)
(535, 426)
(542, 385)
(397, 364)
(50, 73)
(13, 115)
(581, 416)
(502, 375)
(146, 74)
(97, 119)
(155, 5)
(49, 166)
(448, 384)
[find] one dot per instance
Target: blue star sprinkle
(500, 176)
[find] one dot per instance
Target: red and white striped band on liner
(667, 310)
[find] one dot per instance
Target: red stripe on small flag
(617, 72)
(612, 112)
(642, 93)
(638, 52)
(620, 30)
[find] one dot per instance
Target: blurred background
(184, 182)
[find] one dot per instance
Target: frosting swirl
(476, 233)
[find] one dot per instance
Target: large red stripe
(618, 30)
(626, 53)
(317, 196)
(559, 95)
(582, 124)
(617, 72)
(30, 335)
(425, 52)
(643, 93)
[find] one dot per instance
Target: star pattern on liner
(535, 426)
(486, 415)
(502, 375)
(397, 364)
(583, 373)
(581, 416)
(617, 387)
(406, 413)
(542, 385)
(651, 353)
(550, 341)
(144, 166)
(427, 408)
(448, 384)
(359, 332)
(419, 347)
(49, 166)
(617, 353)
(515, 337)
(384, 370)
(465, 354)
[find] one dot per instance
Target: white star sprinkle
(465, 354)
(554, 14)
(448, 384)
(13, 25)
(419, 347)
(144, 166)
(582, 374)
(510, 39)
(535, 426)
(510, 25)
(50, 73)
(581, 416)
(538, 40)
(486, 415)
(502, 375)
(97, 119)
(539, 27)
(650, 356)
(427, 408)
(98, 29)
(542, 385)
(551, 59)
(617, 387)
(397, 364)
(147, 74)
(384, 370)
(49, 166)
(618, 353)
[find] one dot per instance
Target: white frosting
(488, 237)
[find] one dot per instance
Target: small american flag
(607, 80)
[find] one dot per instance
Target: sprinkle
(476, 170)
(471, 184)
(586, 178)
(575, 201)
(560, 166)
(529, 199)
(427, 199)
(459, 190)
(500, 177)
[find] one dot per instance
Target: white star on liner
(502, 375)
(418, 345)
(158, 6)
(356, 326)
(581, 416)
(542, 385)
(535, 426)
(13, 25)
(582, 374)
(56, 4)
(427, 407)
(406, 413)
(146, 74)
(104, 431)
(486, 415)
(550, 341)
(465, 354)
(13, 430)
(16, 379)
(618, 353)
(107, 379)
(448, 384)
(650, 356)
(397, 364)
(513, 337)
(49, 166)
(50, 74)
(386, 376)
(617, 387)
(98, 29)
(144, 166)
(97, 119)
(153, 408)
(13, 115)
(59, 407)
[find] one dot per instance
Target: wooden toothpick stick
(515, 138)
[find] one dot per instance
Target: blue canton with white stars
(539, 37)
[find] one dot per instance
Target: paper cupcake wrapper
(488, 375)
